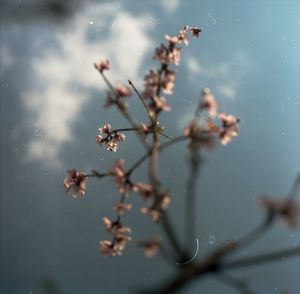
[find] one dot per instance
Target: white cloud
(196, 68)
(227, 76)
(227, 90)
(224, 78)
(52, 100)
(170, 6)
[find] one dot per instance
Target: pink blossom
(120, 208)
(152, 212)
(145, 190)
(159, 104)
(164, 200)
(168, 55)
(76, 181)
(151, 84)
(105, 129)
(144, 129)
(110, 138)
(123, 91)
(168, 80)
(209, 103)
(102, 65)
(229, 128)
(180, 38)
(119, 175)
(114, 248)
(115, 228)
(108, 249)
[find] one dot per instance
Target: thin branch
(190, 198)
(172, 236)
(261, 258)
(255, 234)
(149, 112)
(96, 174)
(165, 135)
(109, 84)
(125, 130)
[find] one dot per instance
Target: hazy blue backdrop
(51, 109)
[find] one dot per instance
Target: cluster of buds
(75, 182)
(120, 233)
(164, 78)
(124, 186)
(120, 177)
(110, 138)
(203, 136)
(120, 238)
(161, 202)
(287, 209)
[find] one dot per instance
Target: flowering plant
(208, 127)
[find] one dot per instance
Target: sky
(51, 109)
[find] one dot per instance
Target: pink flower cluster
(203, 136)
(119, 175)
(110, 138)
(164, 78)
(76, 182)
(120, 238)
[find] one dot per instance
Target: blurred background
(51, 109)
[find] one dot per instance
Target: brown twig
(149, 112)
(190, 198)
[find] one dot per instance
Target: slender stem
(141, 99)
(165, 136)
(98, 175)
(172, 141)
(256, 233)
(125, 130)
(261, 258)
(171, 235)
(190, 206)
(109, 84)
